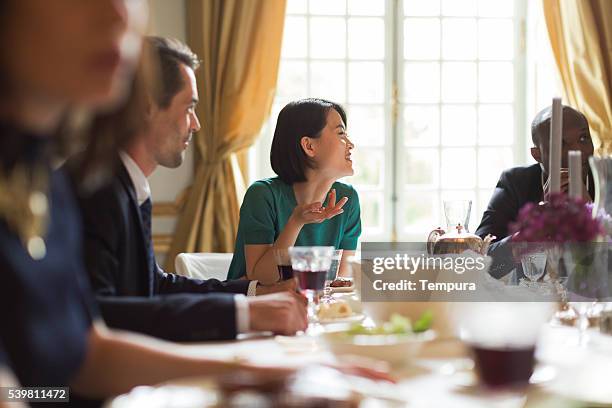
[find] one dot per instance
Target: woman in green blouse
(305, 204)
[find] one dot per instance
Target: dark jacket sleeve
(176, 317)
(501, 211)
(180, 317)
(167, 283)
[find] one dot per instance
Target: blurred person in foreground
(71, 55)
(524, 184)
(133, 292)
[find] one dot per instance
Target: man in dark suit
(133, 291)
(520, 185)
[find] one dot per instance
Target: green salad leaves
(397, 324)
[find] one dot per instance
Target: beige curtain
(239, 43)
(580, 33)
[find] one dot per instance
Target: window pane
(484, 196)
(328, 7)
(459, 38)
(366, 7)
(294, 38)
(327, 81)
(327, 37)
(495, 39)
(496, 82)
(420, 167)
(421, 126)
(421, 7)
(496, 124)
(459, 7)
(458, 168)
(491, 162)
(422, 38)
(496, 8)
(420, 211)
(422, 82)
(366, 125)
(369, 166)
(366, 38)
(371, 210)
(296, 7)
(458, 82)
(458, 125)
(366, 82)
(292, 81)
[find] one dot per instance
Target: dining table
(568, 373)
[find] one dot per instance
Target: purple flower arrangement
(559, 220)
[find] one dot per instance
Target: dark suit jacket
(130, 294)
(515, 188)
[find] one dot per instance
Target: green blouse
(267, 205)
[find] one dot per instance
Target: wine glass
(332, 273)
(310, 266)
(283, 263)
(534, 265)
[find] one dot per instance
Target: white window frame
(393, 200)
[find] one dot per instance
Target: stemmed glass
(534, 265)
(283, 263)
(332, 273)
(310, 266)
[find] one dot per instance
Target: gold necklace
(24, 206)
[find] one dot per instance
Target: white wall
(168, 19)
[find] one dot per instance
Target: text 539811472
(35, 394)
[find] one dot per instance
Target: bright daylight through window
(435, 94)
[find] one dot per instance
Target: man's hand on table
(281, 313)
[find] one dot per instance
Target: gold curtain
(580, 33)
(239, 43)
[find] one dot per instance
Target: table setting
(438, 353)
(542, 341)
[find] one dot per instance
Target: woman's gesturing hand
(315, 213)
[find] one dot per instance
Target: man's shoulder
(111, 192)
(522, 173)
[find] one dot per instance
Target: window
(434, 91)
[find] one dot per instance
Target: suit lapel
(536, 194)
(130, 190)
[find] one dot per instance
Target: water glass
(310, 266)
(534, 265)
(332, 274)
(457, 212)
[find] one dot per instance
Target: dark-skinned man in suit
(520, 185)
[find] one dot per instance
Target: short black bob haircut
(306, 117)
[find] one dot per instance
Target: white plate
(343, 289)
(354, 318)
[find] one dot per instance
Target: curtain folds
(239, 43)
(580, 33)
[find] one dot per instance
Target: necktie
(145, 216)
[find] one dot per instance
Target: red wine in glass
(286, 272)
(311, 280)
(504, 367)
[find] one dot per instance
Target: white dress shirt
(143, 192)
